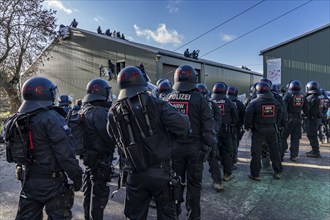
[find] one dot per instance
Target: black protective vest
(225, 110)
(266, 111)
(295, 102)
(314, 105)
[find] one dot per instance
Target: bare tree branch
(25, 29)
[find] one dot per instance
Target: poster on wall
(274, 70)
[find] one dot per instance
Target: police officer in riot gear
(188, 153)
(78, 105)
(232, 93)
(65, 103)
(295, 102)
(313, 118)
(284, 117)
(99, 148)
(164, 88)
(214, 165)
(215, 110)
(143, 127)
(324, 133)
(280, 125)
(229, 115)
(160, 80)
(252, 95)
(52, 159)
(261, 116)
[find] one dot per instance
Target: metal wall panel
(304, 59)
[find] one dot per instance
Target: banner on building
(274, 70)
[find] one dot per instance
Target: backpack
(76, 121)
(18, 138)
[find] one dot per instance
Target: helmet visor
(56, 95)
(109, 94)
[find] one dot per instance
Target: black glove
(214, 153)
(77, 184)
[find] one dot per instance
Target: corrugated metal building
(75, 61)
(304, 58)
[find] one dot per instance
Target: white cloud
(98, 19)
(227, 37)
(130, 38)
(162, 35)
(59, 6)
(172, 6)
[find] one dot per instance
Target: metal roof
(153, 50)
(167, 52)
(295, 38)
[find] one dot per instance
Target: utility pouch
(64, 199)
(67, 196)
(176, 188)
(137, 157)
(166, 196)
(17, 140)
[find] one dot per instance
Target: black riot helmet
(160, 80)
(294, 85)
(38, 92)
(267, 81)
(202, 88)
(312, 87)
(288, 85)
(219, 90)
(232, 93)
(275, 88)
(164, 87)
(323, 92)
(131, 81)
(263, 88)
(185, 78)
(97, 90)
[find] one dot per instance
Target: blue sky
(171, 24)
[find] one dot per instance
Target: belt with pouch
(53, 175)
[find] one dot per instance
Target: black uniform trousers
(327, 124)
(324, 132)
(96, 194)
(52, 193)
(293, 130)
(190, 165)
(268, 135)
(215, 170)
(141, 187)
(235, 137)
(226, 148)
(312, 125)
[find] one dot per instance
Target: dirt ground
(302, 193)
